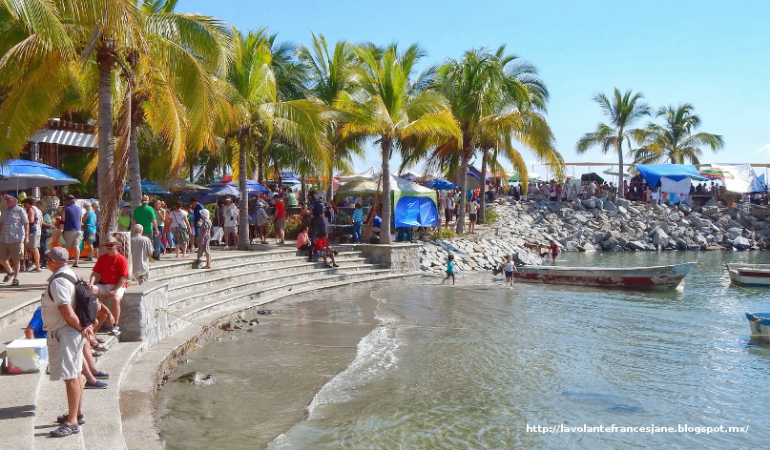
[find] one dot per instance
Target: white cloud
(764, 150)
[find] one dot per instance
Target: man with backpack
(66, 336)
(109, 277)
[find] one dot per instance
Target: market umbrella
(440, 184)
(516, 177)
(149, 188)
(409, 175)
(20, 174)
(593, 176)
(614, 172)
(212, 193)
(361, 188)
(178, 185)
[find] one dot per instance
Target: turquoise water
(471, 366)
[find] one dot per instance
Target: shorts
(181, 235)
(448, 214)
(65, 353)
(12, 250)
(280, 223)
(103, 289)
(73, 239)
(508, 274)
(230, 230)
(473, 217)
(34, 240)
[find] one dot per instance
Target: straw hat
(111, 240)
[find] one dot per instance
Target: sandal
(206, 267)
(7, 278)
(15, 282)
(63, 418)
(65, 430)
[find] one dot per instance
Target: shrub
(442, 233)
(490, 214)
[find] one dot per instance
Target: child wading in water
(450, 269)
(508, 267)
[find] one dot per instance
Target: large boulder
(659, 238)
(637, 245)
(622, 202)
(587, 247)
(610, 244)
(733, 233)
(674, 217)
(741, 243)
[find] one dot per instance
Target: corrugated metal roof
(64, 137)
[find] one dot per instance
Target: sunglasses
(110, 245)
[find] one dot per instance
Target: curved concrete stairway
(120, 417)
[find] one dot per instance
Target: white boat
(760, 325)
(749, 274)
(655, 277)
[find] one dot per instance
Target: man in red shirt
(280, 218)
(108, 278)
(321, 247)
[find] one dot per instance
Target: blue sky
(713, 54)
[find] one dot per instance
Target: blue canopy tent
(149, 188)
(416, 212)
(216, 190)
(440, 184)
(652, 173)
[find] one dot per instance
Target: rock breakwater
(601, 225)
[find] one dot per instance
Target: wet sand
(268, 376)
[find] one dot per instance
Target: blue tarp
(652, 173)
(416, 212)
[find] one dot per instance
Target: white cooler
(27, 356)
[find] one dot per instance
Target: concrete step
(282, 275)
(171, 265)
(248, 272)
(197, 274)
(279, 288)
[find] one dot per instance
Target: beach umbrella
(362, 188)
(440, 184)
(409, 175)
(614, 172)
(593, 176)
(149, 188)
(516, 178)
(180, 185)
(20, 174)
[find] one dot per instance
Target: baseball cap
(58, 254)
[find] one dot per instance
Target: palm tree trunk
(134, 174)
(619, 145)
(385, 228)
(483, 203)
(109, 190)
(467, 153)
(243, 207)
(260, 165)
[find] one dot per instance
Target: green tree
(329, 75)
(497, 100)
(393, 108)
(623, 111)
(257, 115)
(674, 140)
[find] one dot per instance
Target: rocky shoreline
(601, 225)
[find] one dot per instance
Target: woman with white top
(180, 228)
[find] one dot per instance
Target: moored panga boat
(654, 277)
(749, 274)
(760, 325)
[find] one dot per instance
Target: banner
(743, 180)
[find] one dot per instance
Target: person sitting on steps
(321, 247)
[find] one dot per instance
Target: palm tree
(624, 110)
(394, 108)
(674, 141)
(329, 75)
(257, 114)
(496, 99)
(171, 88)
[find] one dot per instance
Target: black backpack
(85, 305)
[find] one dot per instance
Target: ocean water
(418, 365)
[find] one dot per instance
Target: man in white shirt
(141, 249)
(230, 223)
(14, 234)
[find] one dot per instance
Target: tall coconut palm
(674, 140)
(258, 115)
(329, 75)
(59, 36)
(392, 107)
(623, 111)
(496, 99)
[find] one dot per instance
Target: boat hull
(656, 277)
(749, 274)
(760, 325)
